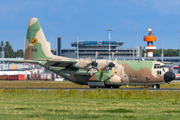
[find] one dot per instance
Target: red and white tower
(150, 39)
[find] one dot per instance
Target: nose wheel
(156, 86)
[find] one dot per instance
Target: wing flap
(78, 72)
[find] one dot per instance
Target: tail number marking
(34, 50)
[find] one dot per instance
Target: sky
(90, 19)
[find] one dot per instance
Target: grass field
(98, 104)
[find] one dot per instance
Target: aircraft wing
(23, 61)
(57, 63)
(78, 72)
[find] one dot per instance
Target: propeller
(94, 64)
(111, 64)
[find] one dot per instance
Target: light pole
(162, 46)
(57, 44)
(77, 47)
(179, 49)
(109, 42)
(136, 44)
(24, 42)
(133, 44)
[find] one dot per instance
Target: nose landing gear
(156, 86)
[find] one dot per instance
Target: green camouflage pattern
(126, 72)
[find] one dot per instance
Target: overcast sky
(90, 19)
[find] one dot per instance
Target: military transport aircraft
(95, 73)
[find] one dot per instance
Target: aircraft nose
(169, 76)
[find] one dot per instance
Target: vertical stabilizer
(36, 44)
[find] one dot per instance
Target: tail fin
(36, 44)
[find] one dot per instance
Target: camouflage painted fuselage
(127, 72)
(78, 71)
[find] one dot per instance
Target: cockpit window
(155, 66)
(158, 66)
(164, 66)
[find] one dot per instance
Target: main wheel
(156, 86)
(92, 86)
(107, 86)
(115, 86)
(101, 86)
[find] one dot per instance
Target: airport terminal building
(89, 48)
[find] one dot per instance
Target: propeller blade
(113, 56)
(98, 68)
(92, 71)
(88, 57)
(110, 73)
(116, 67)
(96, 55)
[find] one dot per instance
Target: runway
(109, 89)
(66, 85)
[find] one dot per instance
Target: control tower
(150, 39)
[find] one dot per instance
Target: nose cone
(169, 76)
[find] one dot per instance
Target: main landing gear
(106, 86)
(93, 86)
(156, 86)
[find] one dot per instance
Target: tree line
(9, 52)
(166, 53)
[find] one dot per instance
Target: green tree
(2, 43)
(18, 53)
(168, 52)
(9, 52)
(143, 52)
(157, 52)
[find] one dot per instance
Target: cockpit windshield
(158, 66)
